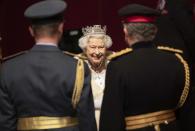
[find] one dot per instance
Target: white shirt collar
(46, 43)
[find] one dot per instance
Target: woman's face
(96, 51)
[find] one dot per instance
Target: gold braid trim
(45, 122)
(170, 49)
(79, 81)
(81, 56)
(69, 53)
(187, 81)
(14, 55)
(117, 54)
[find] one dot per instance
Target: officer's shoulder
(13, 56)
(170, 49)
(119, 53)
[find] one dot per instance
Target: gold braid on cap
(79, 81)
(170, 49)
(119, 53)
(185, 92)
(96, 29)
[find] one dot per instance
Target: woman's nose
(97, 51)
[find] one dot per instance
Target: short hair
(49, 29)
(83, 41)
(141, 31)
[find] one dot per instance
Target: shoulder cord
(185, 92)
(79, 81)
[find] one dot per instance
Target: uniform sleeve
(7, 111)
(85, 109)
(112, 113)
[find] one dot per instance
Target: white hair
(83, 41)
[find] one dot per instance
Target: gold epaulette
(166, 48)
(69, 53)
(14, 55)
(119, 53)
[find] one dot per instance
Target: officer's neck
(47, 40)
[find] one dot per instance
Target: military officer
(43, 88)
(145, 85)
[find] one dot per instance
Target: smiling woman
(94, 44)
(95, 51)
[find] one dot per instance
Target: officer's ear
(125, 31)
(61, 27)
(126, 34)
(31, 31)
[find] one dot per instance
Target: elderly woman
(94, 44)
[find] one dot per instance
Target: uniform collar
(143, 44)
(45, 48)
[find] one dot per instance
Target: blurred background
(80, 13)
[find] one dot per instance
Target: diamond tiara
(96, 29)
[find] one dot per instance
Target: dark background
(80, 13)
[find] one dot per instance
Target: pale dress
(98, 85)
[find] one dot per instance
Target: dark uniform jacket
(143, 81)
(40, 83)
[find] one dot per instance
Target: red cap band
(142, 19)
